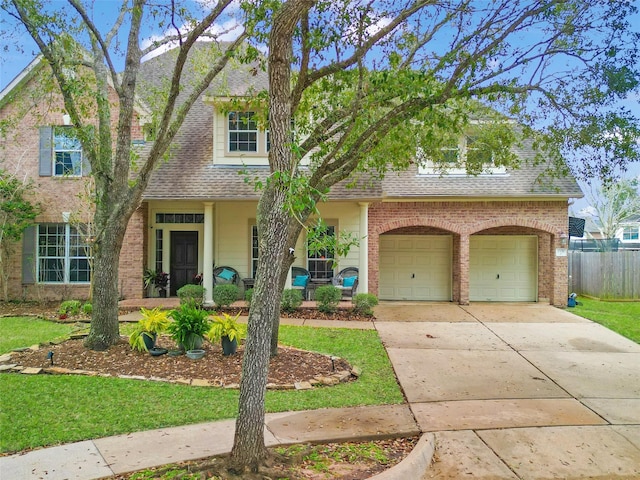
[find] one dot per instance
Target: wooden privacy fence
(610, 275)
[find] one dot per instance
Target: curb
(415, 464)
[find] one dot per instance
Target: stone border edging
(415, 464)
(335, 378)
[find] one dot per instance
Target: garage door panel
(503, 268)
(415, 267)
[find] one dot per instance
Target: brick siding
(19, 150)
(545, 219)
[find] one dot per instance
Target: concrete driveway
(517, 391)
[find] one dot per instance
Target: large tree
(368, 85)
(105, 61)
(612, 204)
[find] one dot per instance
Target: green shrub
(248, 295)
(363, 303)
(291, 299)
(328, 297)
(87, 308)
(191, 292)
(70, 307)
(225, 295)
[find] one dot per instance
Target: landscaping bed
(288, 368)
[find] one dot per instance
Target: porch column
(363, 262)
(463, 269)
(207, 262)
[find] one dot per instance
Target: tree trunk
(249, 448)
(104, 330)
(294, 232)
(274, 226)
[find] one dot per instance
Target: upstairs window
(243, 132)
(61, 153)
(630, 234)
(67, 154)
(469, 156)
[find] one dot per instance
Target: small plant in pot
(190, 324)
(152, 323)
(227, 329)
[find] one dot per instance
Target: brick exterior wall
(133, 255)
(19, 149)
(545, 219)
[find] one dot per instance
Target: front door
(184, 259)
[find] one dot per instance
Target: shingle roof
(190, 174)
(527, 181)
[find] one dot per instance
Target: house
(498, 236)
(627, 237)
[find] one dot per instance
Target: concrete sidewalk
(507, 392)
(126, 453)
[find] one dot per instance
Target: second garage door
(415, 267)
(503, 268)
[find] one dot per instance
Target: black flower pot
(229, 346)
(149, 340)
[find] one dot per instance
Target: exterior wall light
(564, 239)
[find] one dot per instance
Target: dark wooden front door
(184, 259)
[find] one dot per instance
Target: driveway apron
(521, 391)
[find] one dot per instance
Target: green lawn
(621, 317)
(47, 410)
(18, 332)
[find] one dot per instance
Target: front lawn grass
(44, 410)
(18, 332)
(621, 317)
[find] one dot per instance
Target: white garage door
(415, 267)
(503, 268)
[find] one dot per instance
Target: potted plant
(190, 324)
(152, 323)
(159, 280)
(228, 330)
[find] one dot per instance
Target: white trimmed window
(454, 159)
(67, 154)
(320, 264)
(63, 255)
(254, 250)
(243, 132)
(631, 234)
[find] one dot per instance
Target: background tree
(369, 84)
(71, 41)
(18, 210)
(613, 203)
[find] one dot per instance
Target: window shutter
(29, 255)
(46, 151)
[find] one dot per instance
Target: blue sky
(13, 62)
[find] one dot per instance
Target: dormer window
(243, 132)
(468, 157)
